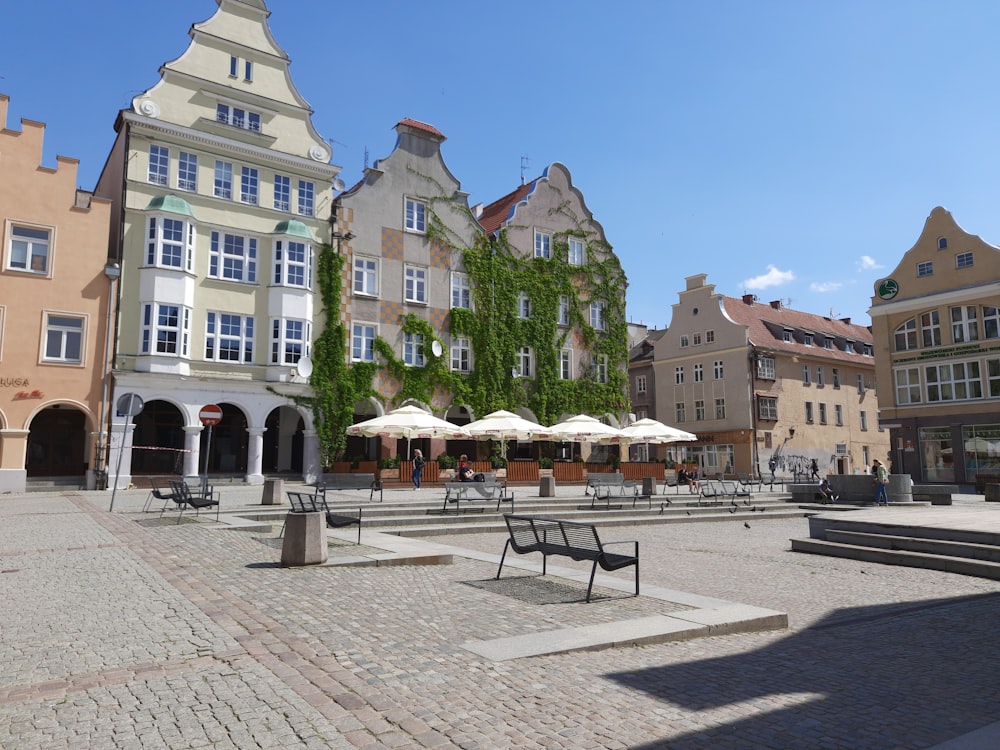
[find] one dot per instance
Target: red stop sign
(210, 414)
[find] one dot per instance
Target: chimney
(477, 210)
(845, 320)
(776, 304)
(748, 299)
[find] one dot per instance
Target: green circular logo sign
(887, 289)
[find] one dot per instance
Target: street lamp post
(113, 271)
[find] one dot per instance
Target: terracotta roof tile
(496, 213)
(766, 324)
(421, 126)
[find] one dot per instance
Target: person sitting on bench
(690, 479)
(463, 472)
(827, 491)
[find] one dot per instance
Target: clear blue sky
(788, 148)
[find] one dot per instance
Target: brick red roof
(766, 325)
(495, 214)
(422, 126)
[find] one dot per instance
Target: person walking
(418, 468)
(814, 468)
(881, 482)
(772, 465)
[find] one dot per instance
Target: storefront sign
(13, 382)
(21, 395)
(887, 289)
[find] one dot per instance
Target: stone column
(311, 469)
(192, 444)
(255, 455)
(120, 457)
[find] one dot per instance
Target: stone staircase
(967, 551)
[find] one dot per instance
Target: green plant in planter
(389, 462)
(545, 462)
(446, 462)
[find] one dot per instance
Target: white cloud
(868, 263)
(773, 277)
(825, 286)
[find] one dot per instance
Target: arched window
(906, 336)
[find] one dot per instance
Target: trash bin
(546, 486)
(648, 486)
(274, 492)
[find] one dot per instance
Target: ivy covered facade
(518, 305)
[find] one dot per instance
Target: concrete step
(962, 566)
(946, 547)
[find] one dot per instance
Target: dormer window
(828, 343)
(786, 335)
(807, 339)
(238, 118)
(849, 347)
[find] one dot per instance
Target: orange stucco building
(54, 302)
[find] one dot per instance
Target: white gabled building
(222, 192)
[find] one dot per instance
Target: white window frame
(228, 332)
(809, 412)
(525, 362)
(363, 341)
(223, 180)
(699, 373)
(238, 117)
(720, 408)
(696, 339)
(159, 165)
(250, 186)
(163, 249)
(414, 216)
(413, 349)
(699, 410)
(293, 263)
(767, 408)
(991, 322)
(307, 198)
(366, 276)
(680, 411)
(836, 377)
(62, 333)
(162, 338)
(563, 310)
(710, 337)
(926, 268)
(953, 381)
(575, 252)
(679, 375)
(290, 341)
(461, 291)
(543, 244)
(861, 383)
(964, 323)
(233, 257)
(523, 306)
(640, 383)
(683, 341)
(718, 369)
(820, 377)
(415, 284)
(908, 389)
(461, 354)
(282, 193)
(565, 364)
(930, 328)
(187, 172)
(21, 241)
(822, 412)
(964, 260)
(600, 362)
(765, 368)
(805, 375)
(597, 317)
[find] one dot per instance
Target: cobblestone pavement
(121, 632)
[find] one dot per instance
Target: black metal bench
(333, 482)
(578, 541)
(194, 497)
(303, 502)
(490, 489)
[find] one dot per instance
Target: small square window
(29, 249)
(963, 260)
(925, 269)
(63, 338)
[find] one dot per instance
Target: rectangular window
(543, 245)
(289, 341)
(601, 368)
(159, 164)
(805, 374)
(993, 377)
(247, 71)
(679, 411)
(695, 339)
(415, 284)
(699, 373)
(575, 252)
(165, 329)
(461, 355)
(849, 347)
(307, 197)
(925, 269)
(820, 378)
(597, 316)
(678, 376)
(187, 171)
(238, 118)
(29, 249)
(807, 339)
(718, 370)
(525, 362)
(822, 413)
(836, 377)
(461, 291)
(566, 364)
(958, 381)
(684, 341)
(838, 415)
(720, 408)
(169, 243)
(416, 216)
(828, 343)
(563, 310)
(640, 383)
(765, 368)
(963, 260)
(229, 338)
(699, 411)
(233, 257)
(523, 306)
(907, 386)
(863, 416)
(249, 185)
(786, 336)
(63, 338)
(930, 328)
(224, 180)
(293, 263)
(282, 193)
(964, 326)
(365, 276)
(767, 407)
(809, 412)
(234, 63)
(413, 349)
(709, 337)
(363, 342)
(991, 322)
(861, 383)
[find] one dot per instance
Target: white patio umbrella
(408, 422)
(505, 425)
(651, 431)
(585, 429)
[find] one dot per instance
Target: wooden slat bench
(578, 541)
(303, 502)
(333, 482)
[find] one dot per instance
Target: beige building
(757, 381)
(54, 298)
(222, 194)
(936, 323)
